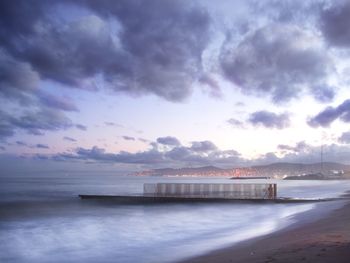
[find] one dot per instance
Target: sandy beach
(324, 240)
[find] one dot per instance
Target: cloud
(334, 22)
(39, 145)
(47, 119)
(345, 138)
(6, 130)
(95, 153)
(20, 143)
(324, 93)
(70, 139)
(199, 153)
(61, 103)
(288, 11)
(299, 147)
(181, 156)
(18, 17)
(163, 42)
(132, 47)
(214, 87)
(137, 47)
(33, 122)
(99, 154)
(17, 80)
(128, 138)
(42, 146)
(235, 123)
(312, 154)
(203, 146)
(278, 61)
(109, 123)
(240, 104)
(326, 117)
(269, 119)
(81, 127)
(179, 153)
(169, 140)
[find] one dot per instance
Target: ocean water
(43, 220)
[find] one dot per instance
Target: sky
(129, 85)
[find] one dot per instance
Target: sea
(42, 218)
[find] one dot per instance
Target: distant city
(275, 171)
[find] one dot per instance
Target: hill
(276, 170)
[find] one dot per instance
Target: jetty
(204, 193)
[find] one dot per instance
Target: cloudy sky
(129, 84)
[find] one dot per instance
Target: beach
(324, 240)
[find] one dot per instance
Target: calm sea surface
(43, 220)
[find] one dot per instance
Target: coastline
(318, 237)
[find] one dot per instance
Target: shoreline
(319, 236)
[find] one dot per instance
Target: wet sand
(324, 240)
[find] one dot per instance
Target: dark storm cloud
(137, 47)
(169, 140)
(128, 138)
(70, 139)
(334, 23)
(277, 60)
(345, 138)
(270, 119)
(326, 117)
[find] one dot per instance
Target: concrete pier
(204, 193)
(119, 199)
